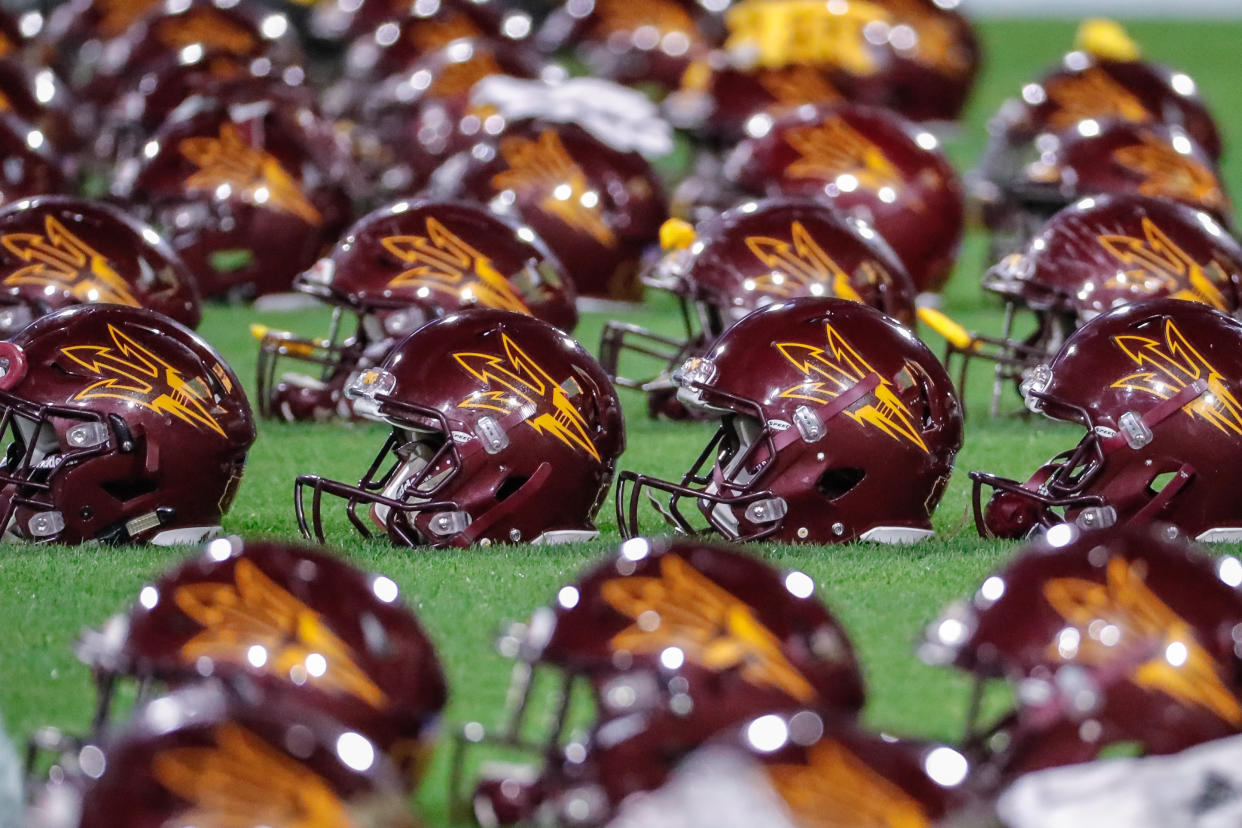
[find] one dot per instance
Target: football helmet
(249, 193)
(1092, 256)
(837, 424)
(723, 637)
(1102, 82)
(648, 42)
(394, 270)
(755, 254)
(936, 58)
(1157, 385)
(419, 118)
(504, 429)
(291, 621)
(803, 769)
(57, 251)
(202, 756)
(865, 161)
(1120, 635)
(119, 425)
(597, 207)
(40, 98)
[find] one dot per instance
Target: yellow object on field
(1105, 38)
(676, 234)
(956, 335)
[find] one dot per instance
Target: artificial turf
(883, 596)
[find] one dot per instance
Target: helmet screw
(819, 457)
(803, 532)
(838, 528)
(86, 513)
(515, 535)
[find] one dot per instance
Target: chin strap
(1157, 414)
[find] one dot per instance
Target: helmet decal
(128, 371)
(255, 621)
(778, 33)
(255, 176)
(1156, 262)
(798, 85)
(1170, 174)
(836, 785)
(833, 148)
(1092, 94)
(115, 16)
(58, 258)
(802, 263)
(1169, 367)
(516, 382)
(244, 775)
(705, 622)
(628, 15)
(938, 45)
(544, 165)
(457, 78)
(206, 28)
(430, 34)
(441, 261)
(832, 370)
(1124, 613)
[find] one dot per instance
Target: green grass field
(883, 596)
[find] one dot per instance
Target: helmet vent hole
(126, 490)
(510, 486)
(1157, 484)
(836, 482)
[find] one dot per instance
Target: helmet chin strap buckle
(1097, 517)
(444, 524)
(768, 510)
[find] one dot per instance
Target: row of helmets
(279, 685)
(835, 421)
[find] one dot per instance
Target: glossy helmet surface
(936, 58)
(395, 269)
(597, 207)
(750, 256)
(249, 194)
(201, 756)
(40, 98)
(723, 637)
(504, 430)
(296, 622)
(247, 31)
(57, 251)
(838, 424)
(1120, 635)
(1097, 254)
(1157, 385)
(793, 768)
(422, 116)
(31, 165)
(646, 42)
(869, 163)
(120, 426)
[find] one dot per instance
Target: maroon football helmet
(673, 641)
(57, 251)
(1157, 385)
(597, 207)
(418, 118)
(755, 254)
(394, 270)
(79, 30)
(1121, 635)
(119, 425)
(245, 30)
(804, 769)
(203, 756)
(936, 57)
(1093, 256)
(295, 622)
(646, 42)
(504, 430)
(40, 98)
(838, 424)
(865, 161)
(248, 193)
(1090, 87)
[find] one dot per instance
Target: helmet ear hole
(834, 483)
(128, 489)
(510, 486)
